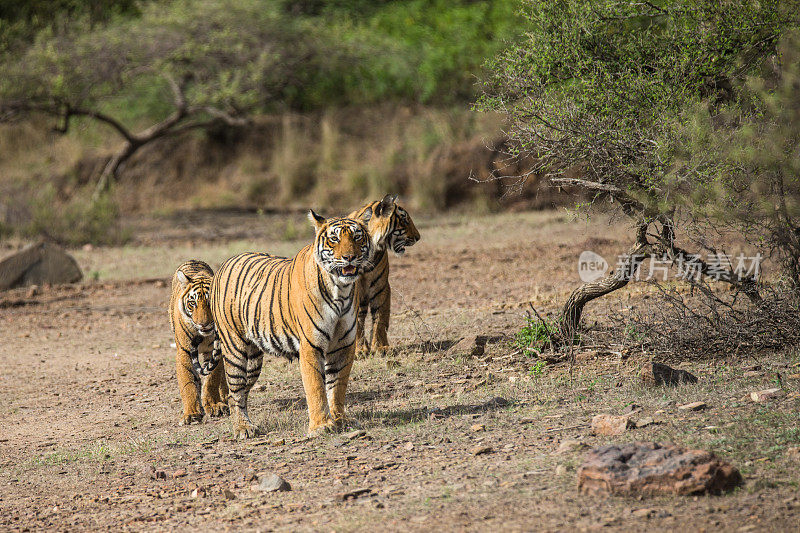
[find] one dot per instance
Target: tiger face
(194, 303)
(342, 247)
(390, 225)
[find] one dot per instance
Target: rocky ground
(454, 438)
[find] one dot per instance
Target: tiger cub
(390, 226)
(299, 308)
(193, 326)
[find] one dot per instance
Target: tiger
(390, 226)
(298, 308)
(192, 324)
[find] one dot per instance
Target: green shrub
(80, 221)
(534, 334)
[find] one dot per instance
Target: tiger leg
(214, 402)
(189, 386)
(337, 374)
(380, 306)
(362, 348)
(311, 370)
(242, 368)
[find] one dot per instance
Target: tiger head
(342, 247)
(193, 298)
(390, 225)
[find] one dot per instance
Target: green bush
(534, 334)
(80, 221)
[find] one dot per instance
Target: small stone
(661, 374)
(409, 446)
(179, 473)
(228, 494)
(199, 492)
(353, 494)
(645, 421)
(358, 433)
(274, 483)
(477, 427)
(694, 406)
(475, 346)
(605, 424)
(481, 450)
(631, 409)
(766, 394)
(561, 470)
(571, 445)
(643, 513)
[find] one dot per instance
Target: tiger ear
(385, 205)
(367, 214)
(316, 219)
(182, 279)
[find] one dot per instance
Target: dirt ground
(90, 439)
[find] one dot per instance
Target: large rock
(661, 374)
(38, 264)
(650, 468)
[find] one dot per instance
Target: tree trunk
(111, 168)
(573, 309)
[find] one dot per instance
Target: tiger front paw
(217, 409)
(362, 349)
(245, 429)
(324, 428)
(189, 418)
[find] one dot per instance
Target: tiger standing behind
(193, 326)
(390, 226)
(303, 307)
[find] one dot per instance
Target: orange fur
(193, 327)
(391, 228)
(303, 307)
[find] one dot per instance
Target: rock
(631, 409)
(179, 473)
(409, 446)
(661, 374)
(645, 421)
(561, 470)
(570, 445)
(481, 450)
(694, 406)
(650, 468)
(273, 483)
(605, 424)
(358, 433)
(475, 346)
(353, 494)
(199, 492)
(643, 513)
(764, 395)
(228, 494)
(477, 427)
(38, 264)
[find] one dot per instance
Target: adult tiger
(193, 327)
(390, 226)
(301, 307)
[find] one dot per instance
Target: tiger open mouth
(349, 270)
